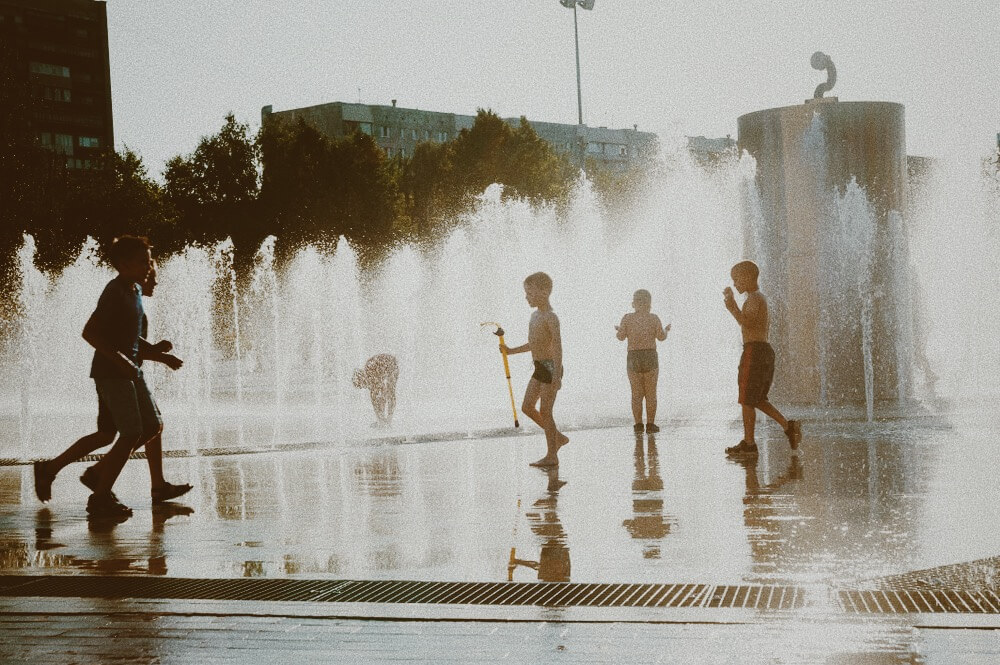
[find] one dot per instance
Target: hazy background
(675, 67)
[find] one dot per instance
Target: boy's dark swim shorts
(544, 370)
(756, 372)
(641, 361)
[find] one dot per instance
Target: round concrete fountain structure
(826, 225)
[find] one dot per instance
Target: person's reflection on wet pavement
(648, 523)
(553, 563)
(759, 513)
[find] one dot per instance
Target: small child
(379, 376)
(757, 362)
(545, 344)
(642, 329)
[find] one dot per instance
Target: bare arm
(515, 349)
(620, 328)
(730, 301)
(661, 332)
(553, 323)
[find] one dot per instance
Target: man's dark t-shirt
(118, 319)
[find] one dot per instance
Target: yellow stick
(506, 367)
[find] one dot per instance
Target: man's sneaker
(638, 428)
(742, 449)
(651, 428)
(106, 505)
(167, 492)
(794, 433)
(43, 482)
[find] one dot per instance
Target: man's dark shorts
(105, 421)
(756, 372)
(544, 370)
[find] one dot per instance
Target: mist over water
(269, 357)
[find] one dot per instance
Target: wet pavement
(891, 505)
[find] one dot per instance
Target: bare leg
(83, 446)
(390, 398)
(109, 468)
(649, 389)
(635, 380)
(154, 457)
(768, 409)
(377, 404)
(554, 439)
(749, 422)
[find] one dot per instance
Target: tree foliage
(289, 180)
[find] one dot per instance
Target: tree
(213, 189)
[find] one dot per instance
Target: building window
(623, 151)
(383, 132)
(56, 94)
(595, 148)
(427, 134)
(366, 127)
(45, 138)
(413, 134)
(388, 151)
(49, 70)
(89, 142)
(64, 144)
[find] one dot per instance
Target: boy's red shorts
(756, 372)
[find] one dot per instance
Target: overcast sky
(671, 66)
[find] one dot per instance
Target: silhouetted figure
(545, 344)
(642, 329)
(379, 376)
(757, 362)
(160, 489)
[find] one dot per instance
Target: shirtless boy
(642, 329)
(545, 344)
(379, 376)
(757, 362)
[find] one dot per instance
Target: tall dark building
(59, 50)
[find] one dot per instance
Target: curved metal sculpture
(822, 61)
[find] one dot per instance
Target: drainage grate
(983, 601)
(539, 594)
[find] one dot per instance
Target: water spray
(506, 367)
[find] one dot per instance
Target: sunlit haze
(675, 68)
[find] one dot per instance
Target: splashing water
(272, 360)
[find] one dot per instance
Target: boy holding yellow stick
(545, 344)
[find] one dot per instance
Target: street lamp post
(572, 4)
(581, 140)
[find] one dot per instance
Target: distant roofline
(510, 119)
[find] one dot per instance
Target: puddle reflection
(553, 564)
(648, 524)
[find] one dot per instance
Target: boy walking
(757, 362)
(545, 344)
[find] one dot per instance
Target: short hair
(643, 296)
(748, 268)
(126, 247)
(541, 280)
